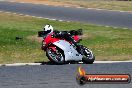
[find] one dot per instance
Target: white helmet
(48, 29)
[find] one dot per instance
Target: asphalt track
(59, 76)
(100, 17)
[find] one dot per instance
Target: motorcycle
(61, 51)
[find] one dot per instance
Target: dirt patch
(35, 38)
(114, 58)
(54, 3)
(88, 36)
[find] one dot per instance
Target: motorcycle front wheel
(55, 56)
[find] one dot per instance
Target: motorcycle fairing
(69, 51)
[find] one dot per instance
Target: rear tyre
(88, 61)
(55, 56)
(88, 56)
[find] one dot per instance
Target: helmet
(48, 29)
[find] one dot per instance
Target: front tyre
(55, 56)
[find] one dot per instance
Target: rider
(48, 29)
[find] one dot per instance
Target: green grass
(100, 4)
(106, 43)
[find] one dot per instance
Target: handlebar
(41, 33)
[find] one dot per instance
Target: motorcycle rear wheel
(56, 57)
(88, 61)
(88, 56)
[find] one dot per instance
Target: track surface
(100, 17)
(58, 76)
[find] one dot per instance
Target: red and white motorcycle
(60, 50)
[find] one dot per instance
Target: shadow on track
(51, 63)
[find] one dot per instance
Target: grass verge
(99, 4)
(106, 42)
